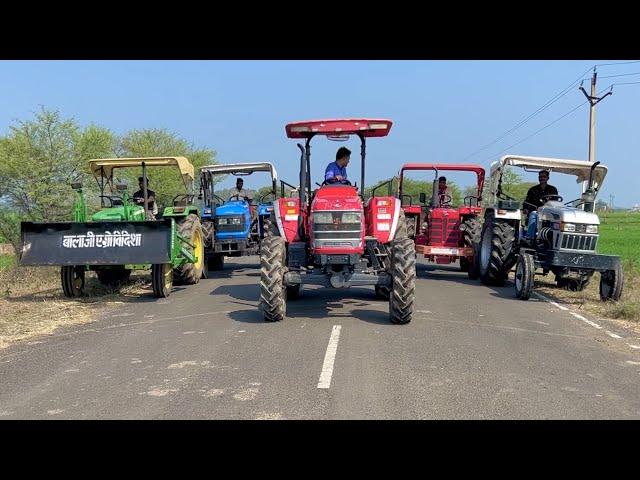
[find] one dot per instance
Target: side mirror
(76, 185)
(423, 198)
(121, 187)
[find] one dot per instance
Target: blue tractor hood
(234, 207)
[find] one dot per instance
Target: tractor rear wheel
(403, 275)
(496, 251)
(525, 274)
(113, 277)
(472, 234)
(72, 277)
(161, 279)
(611, 284)
(191, 229)
(273, 294)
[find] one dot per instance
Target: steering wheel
(237, 197)
(342, 182)
(261, 199)
(443, 199)
(471, 197)
(187, 197)
(111, 198)
(546, 198)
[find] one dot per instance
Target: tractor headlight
(222, 221)
(322, 217)
(350, 217)
(235, 221)
(568, 227)
(592, 229)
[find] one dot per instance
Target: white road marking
(329, 358)
(580, 317)
(636, 347)
(630, 362)
(614, 335)
(123, 315)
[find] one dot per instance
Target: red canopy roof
(368, 127)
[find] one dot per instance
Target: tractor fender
(503, 214)
(286, 212)
(382, 215)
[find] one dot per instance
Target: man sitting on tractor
(444, 193)
(138, 197)
(336, 172)
(241, 192)
(535, 198)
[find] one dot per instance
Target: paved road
(471, 352)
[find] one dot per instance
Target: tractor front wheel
(273, 293)
(191, 229)
(525, 274)
(611, 284)
(72, 277)
(161, 279)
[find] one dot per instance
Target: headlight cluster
(229, 221)
(575, 227)
(336, 217)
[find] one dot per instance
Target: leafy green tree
(39, 158)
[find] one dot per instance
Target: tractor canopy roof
(105, 166)
(339, 128)
(462, 167)
(579, 168)
(241, 169)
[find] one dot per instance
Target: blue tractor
(233, 227)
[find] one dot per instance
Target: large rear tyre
(113, 277)
(191, 229)
(611, 284)
(525, 274)
(496, 251)
(403, 275)
(472, 233)
(273, 294)
(72, 278)
(161, 279)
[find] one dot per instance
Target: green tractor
(123, 235)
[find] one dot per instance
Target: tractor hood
(116, 214)
(233, 208)
(556, 211)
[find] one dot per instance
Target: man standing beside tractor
(336, 172)
(535, 199)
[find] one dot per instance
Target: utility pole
(593, 101)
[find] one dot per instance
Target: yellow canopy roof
(106, 165)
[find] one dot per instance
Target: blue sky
(442, 110)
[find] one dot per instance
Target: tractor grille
(579, 242)
(230, 223)
(444, 231)
(337, 229)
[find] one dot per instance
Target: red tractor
(335, 238)
(441, 232)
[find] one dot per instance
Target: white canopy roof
(578, 168)
(235, 168)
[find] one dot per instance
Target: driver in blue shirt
(336, 172)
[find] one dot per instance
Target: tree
(152, 142)
(39, 158)
(513, 185)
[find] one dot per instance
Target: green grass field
(620, 235)
(6, 261)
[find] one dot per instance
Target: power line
(532, 115)
(621, 75)
(547, 125)
(625, 83)
(537, 131)
(617, 63)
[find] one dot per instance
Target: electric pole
(593, 101)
